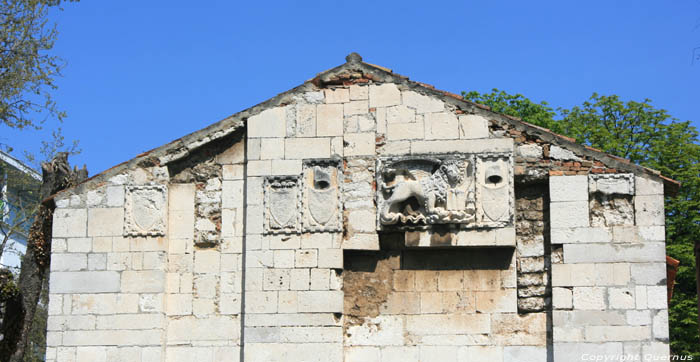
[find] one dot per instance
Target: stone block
(300, 148)
(400, 114)
(649, 273)
(358, 144)
(578, 351)
(330, 258)
(151, 281)
(422, 103)
(430, 353)
(68, 262)
(354, 108)
(276, 279)
(581, 235)
(329, 120)
(359, 92)
(105, 222)
(530, 150)
(259, 167)
(130, 321)
(268, 123)
(562, 298)
(232, 172)
(215, 328)
(233, 154)
(306, 258)
(320, 279)
(660, 325)
(84, 282)
(638, 317)
(617, 333)
(621, 298)
(402, 303)
(646, 186)
(450, 280)
(361, 242)
(91, 354)
(589, 298)
(568, 188)
(651, 233)
(569, 214)
(649, 210)
(465, 146)
(337, 95)
(497, 301)
(480, 353)
(473, 126)
(558, 153)
(271, 148)
(384, 95)
(362, 354)
(443, 125)
(207, 261)
(179, 304)
(524, 353)
(261, 302)
(70, 223)
(285, 167)
(436, 324)
(253, 148)
(611, 253)
(657, 297)
(320, 301)
(285, 352)
(403, 131)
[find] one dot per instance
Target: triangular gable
(352, 72)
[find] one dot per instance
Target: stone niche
(447, 200)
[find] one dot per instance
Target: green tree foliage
(27, 70)
(650, 137)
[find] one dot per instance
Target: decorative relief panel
(494, 191)
(321, 197)
(466, 190)
(282, 205)
(611, 183)
(145, 210)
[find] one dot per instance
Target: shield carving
(282, 207)
(322, 205)
(147, 208)
(495, 202)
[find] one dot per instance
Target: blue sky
(143, 73)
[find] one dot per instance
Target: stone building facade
(362, 217)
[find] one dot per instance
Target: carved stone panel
(321, 196)
(282, 204)
(610, 184)
(145, 210)
(414, 192)
(494, 191)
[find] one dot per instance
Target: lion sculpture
(430, 192)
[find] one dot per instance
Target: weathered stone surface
(70, 223)
(145, 210)
(568, 188)
(85, 282)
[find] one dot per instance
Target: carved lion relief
(416, 192)
(467, 190)
(144, 210)
(281, 215)
(321, 196)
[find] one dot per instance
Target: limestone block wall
(266, 244)
(131, 280)
(609, 276)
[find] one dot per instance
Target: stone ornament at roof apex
(353, 58)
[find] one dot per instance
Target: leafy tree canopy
(647, 136)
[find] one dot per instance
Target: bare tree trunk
(19, 313)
